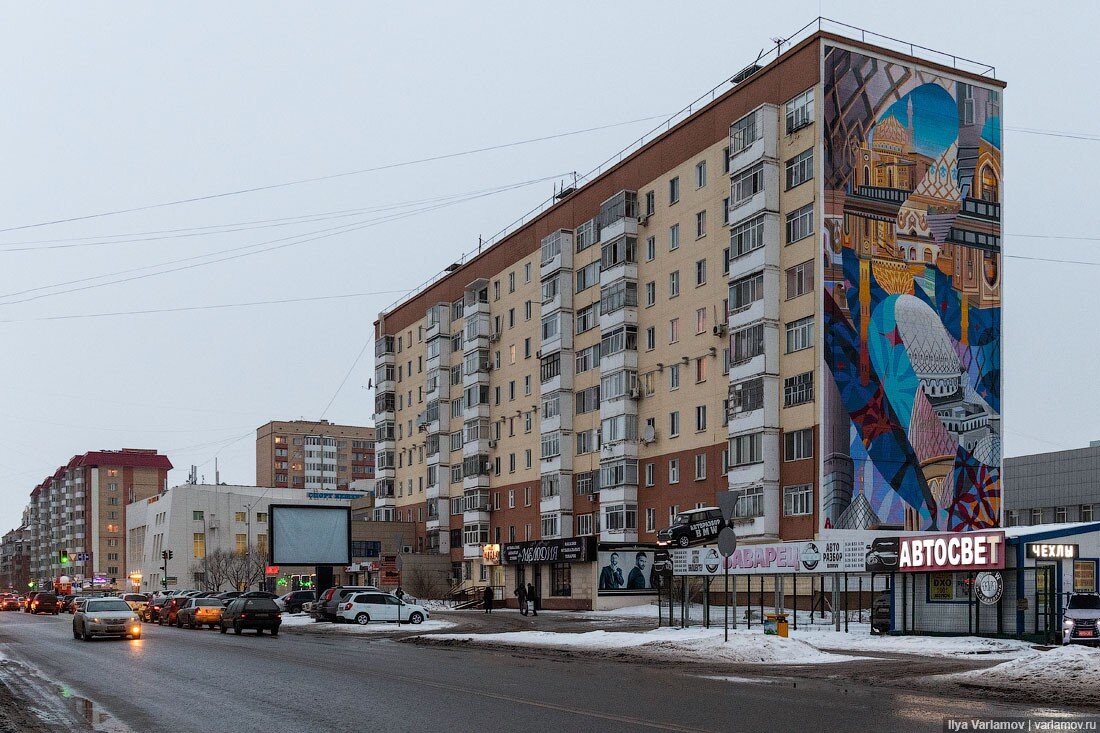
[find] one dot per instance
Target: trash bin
(776, 624)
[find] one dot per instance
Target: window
(800, 111)
(745, 238)
(623, 338)
(550, 367)
(674, 377)
(588, 276)
(588, 359)
(798, 444)
(700, 224)
(800, 279)
(584, 524)
(650, 294)
(651, 338)
(618, 295)
(650, 203)
(674, 330)
(701, 174)
(726, 210)
(1086, 512)
(623, 472)
(587, 483)
(618, 251)
(1036, 516)
(748, 343)
(527, 308)
(746, 449)
(800, 223)
(197, 516)
(198, 545)
(700, 320)
(619, 428)
(798, 500)
(800, 168)
(650, 519)
(587, 234)
(798, 389)
(650, 474)
(551, 485)
(588, 400)
(240, 516)
(621, 517)
(550, 325)
(551, 445)
(241, 544)
(700, 418)
(674, 284)
(725, 160)
(743, 133)
(800, 334)
(587, 318)
(674, 424)
(261, 517)
(674, 237)
(650, 249)
(673, 190)
(700, 466)
(700, 272)
(746, 291)
(561, 583)
(747, 184)
(511, 282)
(674, 471)
(617, 384)
(1060, 515)
(750, 503)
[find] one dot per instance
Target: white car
(362, 608)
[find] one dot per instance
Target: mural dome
(988, 450)
(890, 135)
(931, 353)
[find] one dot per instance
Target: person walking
(400, 593)
(521, 596)
(488, 596)
(532, 600)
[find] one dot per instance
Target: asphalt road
(183, 680)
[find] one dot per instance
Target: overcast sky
(116, 106)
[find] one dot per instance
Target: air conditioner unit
(643, 219)
(423, 428)
(538, 354)
(635, 393)
(720, 329)
(406, 549)
(492, 444)
(494, 336)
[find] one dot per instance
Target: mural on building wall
(912, 433)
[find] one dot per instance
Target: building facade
(1057, 487)
(80, 511)
(303, 454)
(15, 559)
(687, 324)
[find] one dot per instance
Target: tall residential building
(15, 550)
(303, 454)
(793, 294)
(80, 510)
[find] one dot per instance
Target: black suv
(251, 613)
(44, 603)
(692, 527)
(292, 602)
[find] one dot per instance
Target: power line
(345, 379)
(278, 243)
(374, 169)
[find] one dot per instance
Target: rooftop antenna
(778, 45)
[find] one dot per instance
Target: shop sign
(988, 588)
(271, 570)
(630, 570)
(572, 549)
(490, 554)
(952, 551)
(1051, 551)
(1084, 576)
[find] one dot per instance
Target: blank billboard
(309, 535)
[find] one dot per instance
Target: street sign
(171, 579)
(727, 541)
(727, 502)
(82, 557)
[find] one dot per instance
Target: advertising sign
(1084, 576)
(629, 570)
(952, 551)
(572, 549)
(388, 572)
(1051, 551)
(490, 554)
(988, 588)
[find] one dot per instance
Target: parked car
(258, 594)
(106, 617)
(136, 601)
(251, 613)
(168, 611)
(63, 601)
(229, 595)
(295, 601)
(1080, 618)
(151, 612)
(45, 603)
(326, 607)
(199, 612)
(692, 527)
(362, 608)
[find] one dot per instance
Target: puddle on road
(93, 714)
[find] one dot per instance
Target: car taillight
(347, 606)
(244, 615)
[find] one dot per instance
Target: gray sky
(113, 106)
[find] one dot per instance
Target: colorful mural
(912, 429)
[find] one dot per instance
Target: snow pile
(696, 643)
(302, 622)
(861, 640)
(1066, 674)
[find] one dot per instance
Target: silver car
(106, 617)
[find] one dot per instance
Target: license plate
(1085, 632)
(263, 615)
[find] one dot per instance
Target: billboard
(309, 535)
(627, 570)
(911, 247)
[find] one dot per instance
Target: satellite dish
(650, 434)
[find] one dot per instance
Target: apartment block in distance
(320, 456)
(80, 510)
(793, 294)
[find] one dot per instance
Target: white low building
(196, 521)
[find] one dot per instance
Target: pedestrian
(521, 595)
(488, 596)
(400, 593)
(532, 600)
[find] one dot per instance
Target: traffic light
(169, 554)
(63, 557)
(166, 555)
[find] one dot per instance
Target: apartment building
(793, 294)
(15, 559)
(80, 510)
(313, 455)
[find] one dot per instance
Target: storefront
(562, 571)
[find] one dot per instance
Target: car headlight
(95, 621)
(1068, 623)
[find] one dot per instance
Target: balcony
(754, 405)
(556, 253)
(759, 518)
(764, 308)
(764, 470)
(754, 137)
(619, 215)
(557, 331)
(557, 293)
(556, 494)
(761, 194)
(385, 350)
(438, 319)
(764, 359)
(754, 260)
(561, 415)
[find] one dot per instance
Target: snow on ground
(696, 643)
(859, 639)
(303, 622)
(1066, 674)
